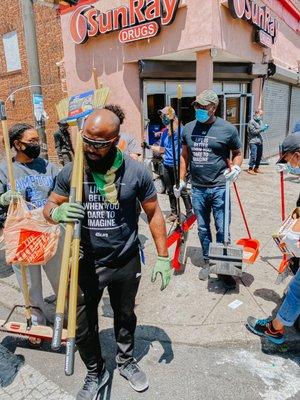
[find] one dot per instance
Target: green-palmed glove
(9, 196)
(68, 212)
(162, 267)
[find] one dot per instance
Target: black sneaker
(92, 385)
(264, 327)
(135, 376)
(228, 281)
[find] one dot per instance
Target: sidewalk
(193, 312)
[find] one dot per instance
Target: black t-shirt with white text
(110, 231)
(209, 147)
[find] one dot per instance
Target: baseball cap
(290, 144)
(165, 110)
(207, 97)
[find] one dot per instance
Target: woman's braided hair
(16, 132)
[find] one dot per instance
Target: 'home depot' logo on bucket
(139, 20)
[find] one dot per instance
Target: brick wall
(50, 51)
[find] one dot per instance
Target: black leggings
(122, 284)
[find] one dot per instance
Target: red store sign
(259, 16)
(140, 20)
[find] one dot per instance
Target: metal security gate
(276, 107)
(295, 107)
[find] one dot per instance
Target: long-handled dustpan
(228, 258)
(250, 245)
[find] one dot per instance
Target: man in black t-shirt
(113, 182)
(209, 145)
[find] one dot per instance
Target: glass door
(238, 110)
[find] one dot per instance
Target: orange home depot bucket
(250, 249)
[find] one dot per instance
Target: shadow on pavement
(247, 279)
(11, 343)
(195, 255)
(144, 337)
(10, 365)
(271, 296)
(5, 269)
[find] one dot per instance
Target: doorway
(236, 105)
(159, 94)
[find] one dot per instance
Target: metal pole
(33, 62)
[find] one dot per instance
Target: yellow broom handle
(65, 262)
(70, 350)
(26, 295)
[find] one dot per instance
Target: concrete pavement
(191, 322)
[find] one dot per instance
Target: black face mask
(104, 163)
(31, 150)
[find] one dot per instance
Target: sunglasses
(98, 144)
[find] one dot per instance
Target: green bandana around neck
(106, 182)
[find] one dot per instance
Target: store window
(11, 51)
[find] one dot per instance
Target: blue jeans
(205, 201)
(290, 308)
(256, 152)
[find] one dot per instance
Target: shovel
(228, 258)
(250, 245)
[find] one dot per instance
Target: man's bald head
(102, 125)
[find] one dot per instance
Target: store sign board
(140, 20)
(259, 16)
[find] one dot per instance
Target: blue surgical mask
(293, 170)
(202, 115)
(165, 120)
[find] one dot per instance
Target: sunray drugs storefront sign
(140, 20)
(259, 16)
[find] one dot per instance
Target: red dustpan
(251, 246)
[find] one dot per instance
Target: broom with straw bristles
(99, 100)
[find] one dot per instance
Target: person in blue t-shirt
(167, 150)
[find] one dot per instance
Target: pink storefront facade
(143, 49)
